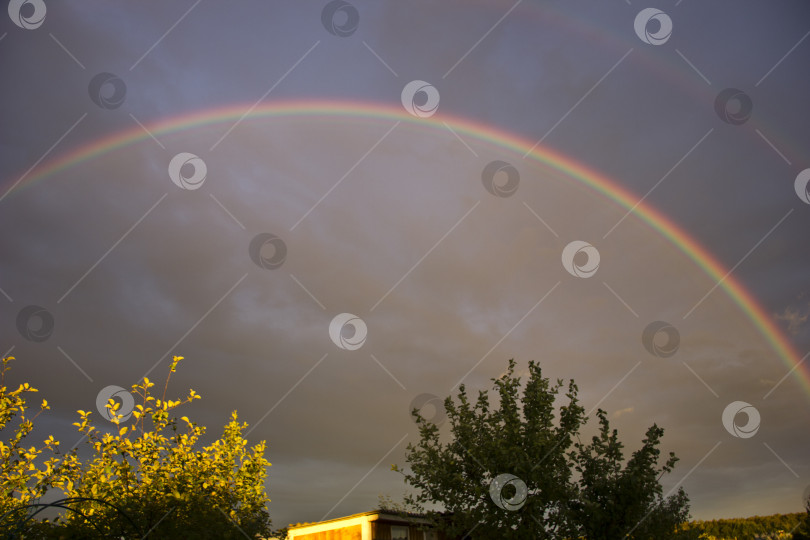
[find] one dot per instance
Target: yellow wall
(354, 532)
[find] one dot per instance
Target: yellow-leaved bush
(148, 477)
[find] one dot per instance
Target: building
(374, 525)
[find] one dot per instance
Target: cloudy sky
(274, 220)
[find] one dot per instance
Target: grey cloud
(448, 315)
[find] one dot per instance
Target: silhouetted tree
(519, 471)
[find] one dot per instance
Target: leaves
(146, 470)
(573, 489)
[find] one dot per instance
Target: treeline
(777, 526)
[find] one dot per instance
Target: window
(398, 532)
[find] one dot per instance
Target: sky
(617, 190)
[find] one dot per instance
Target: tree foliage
(147, 477)
(775, 527)
(559, 486)
(22, 481)
(801, 531)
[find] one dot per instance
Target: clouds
(391, 222)
(796, 318)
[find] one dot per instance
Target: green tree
(802, 532)
(149, 477)
(615, 499)
(557, 486)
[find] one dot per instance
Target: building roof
(373, 515)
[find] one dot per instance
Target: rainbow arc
(693, 249)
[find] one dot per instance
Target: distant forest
(777, 526)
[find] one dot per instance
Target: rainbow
(761, 319)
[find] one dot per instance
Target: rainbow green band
(763, 321)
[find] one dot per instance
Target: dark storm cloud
(489, 284)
